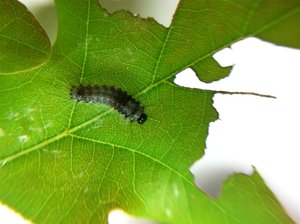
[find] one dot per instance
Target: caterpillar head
(141, 119)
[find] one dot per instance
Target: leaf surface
(23, 43)
(73, 163)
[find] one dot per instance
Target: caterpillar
(111, 96)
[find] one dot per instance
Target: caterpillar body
(113, 97)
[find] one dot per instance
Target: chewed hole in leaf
(211, 171)
(187, 78)
(225, 57)
(207, 70)
(161, 11)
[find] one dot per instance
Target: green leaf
(73, 163)
(208, 70)
(23, 43)
(248, 200)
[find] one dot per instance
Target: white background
(251, 131)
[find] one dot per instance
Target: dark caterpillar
(113, 97)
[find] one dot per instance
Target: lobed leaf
(72, 163)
